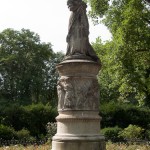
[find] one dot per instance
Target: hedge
(121, 115)
(33, 118)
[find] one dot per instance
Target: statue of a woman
(78, 32)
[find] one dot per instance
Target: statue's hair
(80, 2)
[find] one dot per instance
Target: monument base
(79, 143)
(78, 122)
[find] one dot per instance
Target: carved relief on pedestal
(78, 93)
(65, 93)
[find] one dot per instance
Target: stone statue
(78, 31)
(78, 120)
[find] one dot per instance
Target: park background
(28, 57)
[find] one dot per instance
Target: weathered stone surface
(78, 87)
(78, 122)
(78, 31)
(78, 67)
(78, 93)
(79, 145)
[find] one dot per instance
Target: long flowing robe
(78, 32)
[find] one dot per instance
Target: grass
(31, 147)
(110, 146)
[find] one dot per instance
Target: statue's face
(72, 5)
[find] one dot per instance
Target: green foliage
(27, 67)
(107, 80)
(51, 77)
(27, 76)
(6, 132)
(147, 134)
(32, 118)
(99, 8)
(121, 115)
(132, 132)
(40, 115)
(13, 116)
(24, 134)
(133, 118)
(126, 59)
(111, 133)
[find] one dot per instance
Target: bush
(132, 132)
(14, 116)
(40, 115)
(7, 133)
(24, 134)
(112, 133)
(147, 134)
(116, 114)
(51, 129)
(33, 118)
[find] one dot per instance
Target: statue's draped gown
(78, 31)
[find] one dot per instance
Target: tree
(51, 78)
(108, 90)
(24, 66)
(129, 23)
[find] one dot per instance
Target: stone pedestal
(78, 122)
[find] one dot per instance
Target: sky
(48, 18)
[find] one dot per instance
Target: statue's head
(73, 4)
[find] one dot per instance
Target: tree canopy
(26, 67)
(126, 59)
